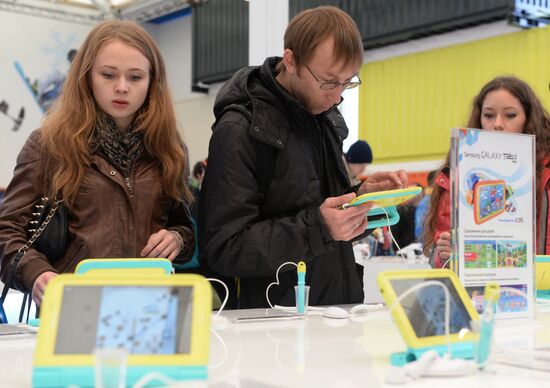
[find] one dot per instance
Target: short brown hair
(313, 26)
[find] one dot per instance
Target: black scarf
(122, 149)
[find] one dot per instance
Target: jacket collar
(271, 105)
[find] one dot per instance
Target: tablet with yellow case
(420, 316)
(162, 322)
(542, 271)
(387, 198)
(384, 211)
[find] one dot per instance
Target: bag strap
(43, 226)
(21, 252)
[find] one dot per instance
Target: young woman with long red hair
(110, 149)
(504, 104)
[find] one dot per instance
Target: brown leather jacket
(105, 220)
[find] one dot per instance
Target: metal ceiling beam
(51, 10)
(140, 11)
(104, 6)
(148, 10)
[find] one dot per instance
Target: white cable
(447, 305)
(276, 280)
(399, 252)
(153, 376)
(446, 262)
(225, 351)
(226, 294)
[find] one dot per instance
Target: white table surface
(317, 352)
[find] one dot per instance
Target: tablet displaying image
(489, 200)
(161, 321)
(141, 320)
(420, 316)
(425, 309)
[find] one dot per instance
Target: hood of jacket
(256, 88)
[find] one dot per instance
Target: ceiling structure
(92, 11)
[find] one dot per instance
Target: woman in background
(504, 104)
(109, 148)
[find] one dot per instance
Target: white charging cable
(399, 251)
(226, 294)
(428, 283)
(154, 376)
(277, 280)
(447, 261)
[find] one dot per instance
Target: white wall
(40, 46)
(193, 110)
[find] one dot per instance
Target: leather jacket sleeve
(15, 213)
(237, 238)
(180, 222)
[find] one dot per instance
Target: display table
(316, 352)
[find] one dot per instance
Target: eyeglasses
(330, 85)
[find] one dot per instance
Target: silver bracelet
(178, 237)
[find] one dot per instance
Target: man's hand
(383, 180)
(344, 224)
(40, 285)
(164, 243)
(443, 247)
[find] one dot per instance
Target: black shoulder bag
(48, 233)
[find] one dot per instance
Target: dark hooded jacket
(241, 237)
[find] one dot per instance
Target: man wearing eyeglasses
(276, 182)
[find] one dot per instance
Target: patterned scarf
(122, 149)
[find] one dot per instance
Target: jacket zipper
(345, 273)
(128, 182)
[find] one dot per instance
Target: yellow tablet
(387, 198)
(420, 316)
(162, 322)
(542, 271)
(489, 200)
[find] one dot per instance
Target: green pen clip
(300, 298)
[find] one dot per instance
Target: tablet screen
(141, 319)
(425, 308)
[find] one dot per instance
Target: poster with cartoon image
(493, 216)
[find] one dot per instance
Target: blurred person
(423, 206)
(357, 159)
(403, 231)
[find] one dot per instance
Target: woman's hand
(443, 247)
(165, 243)
(40, 285)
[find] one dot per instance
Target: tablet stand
(463, 350)
(377, 217)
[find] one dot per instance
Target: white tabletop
(316, 352)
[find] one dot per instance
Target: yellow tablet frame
(387, 198)
(400, 317)
(542, 272)
(477, 209)
(51, 309)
